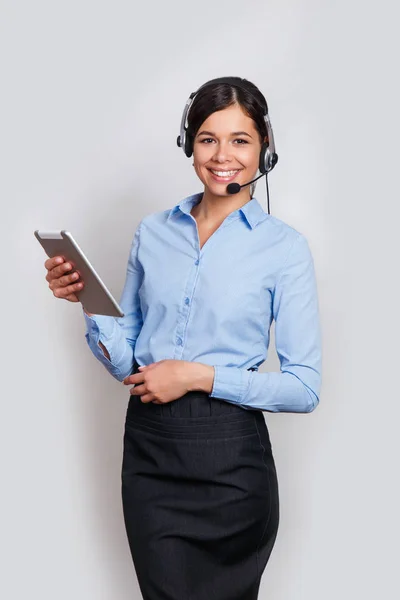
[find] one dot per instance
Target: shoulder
(281, 227)
(285, 236)
(290, 244)
(164, 217)
(160, 217)
(152, 220)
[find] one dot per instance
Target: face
(226, 149)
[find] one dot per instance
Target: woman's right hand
(62, 282)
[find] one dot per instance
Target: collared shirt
(215, 305)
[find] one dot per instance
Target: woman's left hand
(162, 381)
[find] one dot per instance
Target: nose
(222, 152)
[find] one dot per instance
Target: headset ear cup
(188, 145)
(264, 158)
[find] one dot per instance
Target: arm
(112, 339)
(296, 387)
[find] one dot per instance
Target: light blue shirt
(215, 305)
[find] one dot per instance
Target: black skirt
(200, 498)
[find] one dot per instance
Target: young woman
(204, 281)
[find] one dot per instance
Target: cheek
(198, 172)
(198, 168)
(202, 153)
(251, 158)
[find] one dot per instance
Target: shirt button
(187, 300)
(179, 341)
(197, 262)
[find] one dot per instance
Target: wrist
(201, 377)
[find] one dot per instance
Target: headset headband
(182, 140)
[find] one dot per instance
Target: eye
(241, 141)
(206, 140)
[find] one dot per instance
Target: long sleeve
(119, 334)
(296, 387)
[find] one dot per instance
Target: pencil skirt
(200, 498)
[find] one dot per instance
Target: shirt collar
(252, 210)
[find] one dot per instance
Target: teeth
(224, 173)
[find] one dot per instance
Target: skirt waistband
(194, 405)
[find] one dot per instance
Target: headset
(268, 156)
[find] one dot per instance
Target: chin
(217, 190)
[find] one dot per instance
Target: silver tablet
(94, 297)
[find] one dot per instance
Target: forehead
(232, 118)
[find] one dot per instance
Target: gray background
(91, 100)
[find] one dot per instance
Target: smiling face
(226, 149)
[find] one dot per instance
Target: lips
(229, 175)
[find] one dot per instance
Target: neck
(213, 208)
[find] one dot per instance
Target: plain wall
(91, 101)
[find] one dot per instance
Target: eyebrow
(233, 133)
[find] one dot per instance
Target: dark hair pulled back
(217, 96)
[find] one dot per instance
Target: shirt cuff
(229, 383)
(102, 326)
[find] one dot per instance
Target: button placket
(184, 311)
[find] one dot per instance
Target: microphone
(234, 188)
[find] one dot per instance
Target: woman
(204, 281)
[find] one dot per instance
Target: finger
(53, 262)
(64, 280)
(136, 378)
(57, 271)
(63, 292)
(72, 298)
(138, 390)
(146, 398)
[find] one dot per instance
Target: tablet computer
(94, 296)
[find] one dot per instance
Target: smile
(224, 175)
